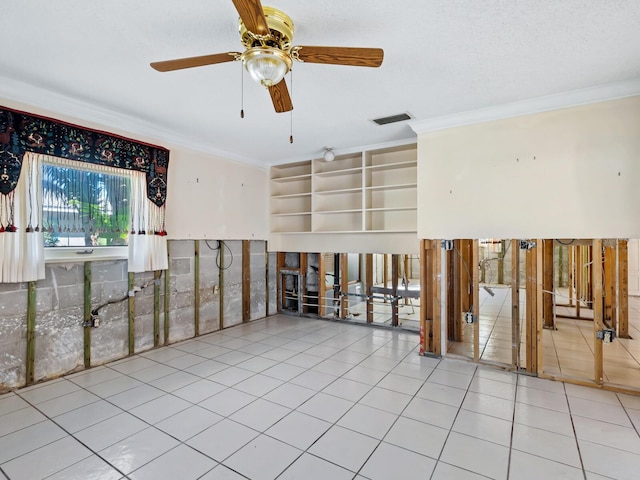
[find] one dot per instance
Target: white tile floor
(292, 398)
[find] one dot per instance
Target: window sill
(71, 255)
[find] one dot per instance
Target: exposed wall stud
(344, 284)
(266, 279)
(132, 314)
(598, 324)
(221, 284)
(425, 297)
(369, 286)
(322, 284)
(610, 287)
(394, 287)
(515, 304)
(87, 314)
(437, 297)
(156, 307)
(539, 286)
(475, 297)
(196, 287)
(31, 332)
(548, 284)
(167, 283)
(246, 280)
(623, 289)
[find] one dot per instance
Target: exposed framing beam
(515, 304)
(156, 307)
(221, 285)
(246, 280)
(369, 285)
(547, 268)
(87, 315)
(426, 304)
(537, 349)
(453, 326)
(610, 286)
(167, 291)
(322, 285)
(31, 332)
(437, 297)
(623, 289)
(475, 296)
(344, 284)
(196, 287)
(598, 319)
(395, 263)
(132, 314)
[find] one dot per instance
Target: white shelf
(341, 190)
(291, 179)
(392, 166)
(398, 186)
(368, 192)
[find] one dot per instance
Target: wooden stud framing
(246, 280)
(322, 285)
(156, 307)
(596, 269)
(537, 349)
(560, 268)
(503, 245)
(31, 332)
(534, 259)
(87, 314)
(132, 314)
(344, 284)
(196, 287)
(571, 261)
(385, 273)
(458, 273)
(302, 291)
(475, 297)
(394, 286)
(578, 277)
(405, 275)
(515, 304)
(623, 289)
(436, 294)
(280, 261)
(547, 270)
(426, 305)
(167, 283)
(610, 287)
(453, 326)
(266, 280)
(221, 284)
(369, 286)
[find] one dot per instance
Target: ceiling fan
(266, 33)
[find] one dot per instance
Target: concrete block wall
(59, 334)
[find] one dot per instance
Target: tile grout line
(575, 435)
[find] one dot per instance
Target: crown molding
(39, 98)
(530, 106)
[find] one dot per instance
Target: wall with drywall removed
(568, 173)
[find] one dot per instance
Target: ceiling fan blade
(280, 97)
(180, 63)
(357, 57)
(252, 16)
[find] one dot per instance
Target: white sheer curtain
(147, 251)
(22, 251)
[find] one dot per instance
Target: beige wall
(208, 196)
(569, 173)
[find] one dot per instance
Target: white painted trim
(530, 106)
(42, 99)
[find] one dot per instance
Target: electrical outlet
(468, 317)
(216, 289)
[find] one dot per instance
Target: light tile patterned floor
(292, 398)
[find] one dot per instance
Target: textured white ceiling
(91, 60)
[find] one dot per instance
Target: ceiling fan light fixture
(266, 65)
(329, 155)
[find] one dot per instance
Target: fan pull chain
(291, 113)
(241, 91)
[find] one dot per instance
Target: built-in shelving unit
(373, 191)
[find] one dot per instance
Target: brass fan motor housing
(280, 28)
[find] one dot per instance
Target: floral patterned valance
(23, 132)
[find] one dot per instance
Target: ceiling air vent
(401, 117)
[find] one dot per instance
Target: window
(84, 207)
